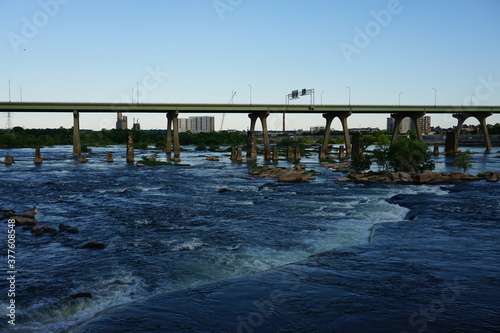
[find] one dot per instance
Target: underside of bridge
(173, 145)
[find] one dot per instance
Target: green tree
(380, 154)
(360, 162)
(464, 161)
(407, 155)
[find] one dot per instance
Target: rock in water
(81, 295)
(94, 245)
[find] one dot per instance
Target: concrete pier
(289, 153)
(38, 157)
(252, 139)
(357, 149)
(276, 156)
(451, 145)
(239, 154)
(297, 154)
(481, 117)
(77, 148)
(268, 153)
(109, 158)
(341, 152)
(414, 116)
(130, 148)
(173, 126)
(342, 115)
(233, 153)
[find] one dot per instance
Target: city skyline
(372, 52)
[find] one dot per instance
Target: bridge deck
(234, 108)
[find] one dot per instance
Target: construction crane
(224, 115)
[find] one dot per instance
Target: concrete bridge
(262, 111)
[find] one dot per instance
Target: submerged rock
(94, 245)
(81, 295)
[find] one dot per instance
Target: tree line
(20, 137)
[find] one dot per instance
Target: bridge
(261, 111)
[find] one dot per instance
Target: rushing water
(180, 256)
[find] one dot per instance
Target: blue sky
(199, 51)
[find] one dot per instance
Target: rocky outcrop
(297, 174)
(21, 220)
(412, 178)
(490, 176)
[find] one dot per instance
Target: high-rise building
(121, 121)
(197, 124)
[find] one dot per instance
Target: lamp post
(9, 89)
(435, 96)
(21, 93)
(349, 95)
(471, 98)
(400, 98)
(250, 93)
(321, 97)
(137, 92)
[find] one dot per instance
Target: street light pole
(349, 95)
(21, 93)
(250, 93)
(400, 98)
(471, 98)
(9, 89)
(321, 97)
(137, 92)
(435, 96)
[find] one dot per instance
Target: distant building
(408, 125)
(136, 126)
(197, 124)
(121, 121)
(364, 129)
(316, 129)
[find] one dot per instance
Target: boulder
(21, 220)
(29, 215)
(83, 159)
(493, 178)
(405, 178)
(94, 245)
(72, 230)
(223, 190)
(37, 230)
(427, 177)
(342, 180)
(48, 229)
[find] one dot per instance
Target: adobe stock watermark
(419, 320)
(485, 88)
(372, 29)
(151, 81)
(223, 6)
(32, 26)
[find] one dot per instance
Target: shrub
(407, 155)
(464, 161)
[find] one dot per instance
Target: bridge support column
(38, 156)
(329, 119)
(263, 119)
(173, 124)
(77, 148)
(481, 117)
(130, 148)
(414, 116)
(251, 139)
(356, 143)
(330, 116)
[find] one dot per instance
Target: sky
(414, 52)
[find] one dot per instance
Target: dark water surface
(315, 257)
